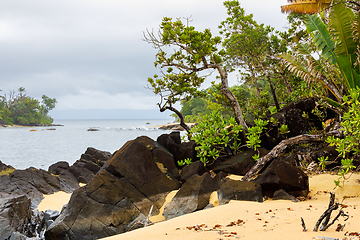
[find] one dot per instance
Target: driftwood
(325, 217)
(303, 225)
(145, 223)
(306, 138)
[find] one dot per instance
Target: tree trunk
(287, 84)
(233, 101)
(271, 86)
(273, 93)
(281, 147)
(181, 117)
(256, 83)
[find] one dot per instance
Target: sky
(89, 54)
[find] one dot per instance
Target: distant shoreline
(172, 126)
(20, 126)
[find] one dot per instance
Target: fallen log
(305, 138)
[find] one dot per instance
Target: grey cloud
(72, 49)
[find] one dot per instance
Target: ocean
(39, 147)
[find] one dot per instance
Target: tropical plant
(349, 146)
(338, 68)
(253, 134)
(216, 137)
(186, 161)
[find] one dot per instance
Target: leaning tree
(185, 58)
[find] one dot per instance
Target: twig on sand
(145, 222)
(303, 225)
(326, 215)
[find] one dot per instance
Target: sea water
(40, 147)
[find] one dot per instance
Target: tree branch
(282, 146)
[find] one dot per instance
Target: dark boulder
(194, 168)
(180, 151)
(299, 117)
(239, 190)
(327, 152)
(59, 166)
(17, 221)
(68, 182)
(89, 164)
(83, 175)
(239, 164)
(163, 156)
(35, 177)
(281, 194)
(122, 191)
(282, 175)
(12, 187)
(193, 195)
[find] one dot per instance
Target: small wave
(141, 129)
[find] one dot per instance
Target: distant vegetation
(18, 108)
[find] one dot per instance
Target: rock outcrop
(193, 195)
(282, 175)
(239, 190)
(122, 191)
(18, 221)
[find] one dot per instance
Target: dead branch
(306, 138)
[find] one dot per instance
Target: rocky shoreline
(124, 188)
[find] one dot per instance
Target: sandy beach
(251, 220)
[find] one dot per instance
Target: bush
(349, 146)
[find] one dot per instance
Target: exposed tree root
(306, 138)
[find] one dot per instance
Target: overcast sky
(89, 54)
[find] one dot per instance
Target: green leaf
(322, 37)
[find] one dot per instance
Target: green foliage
(186, 161)
(322, 162)
(18, 108)
(253, 134)
(180, 71)
(284, 129)
(338, 41)
(349, 146)
(216, 136)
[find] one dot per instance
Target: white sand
(268, 220)
(54, 201)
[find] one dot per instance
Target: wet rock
(193, 195)
(239, 190)
(282, 175)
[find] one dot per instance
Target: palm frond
(341, 25)
(299, 68)
(322, 38)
